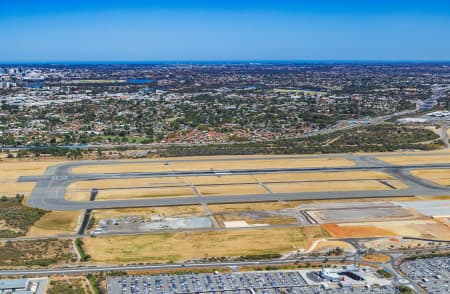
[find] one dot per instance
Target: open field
(169, 211)
(397, 243)
(216, 165)
(11, 170)
(279, 205)
(224, 185)
(36, 253)
(68, 286)
(362, 185)
(326, 245)
(124, 183)
(405, 160)
(418, 228)
(16, 218)
(239, 189)
(258, 206)
(411, 228)
(376, 257)
(55, 223)
(356, 231)
(182, 246)
(208, 180)
(438, 176)
(144, 193)
(78, 195)
(131, 193)
(323, 176)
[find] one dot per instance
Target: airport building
(20, 286)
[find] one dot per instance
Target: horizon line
(222, 61)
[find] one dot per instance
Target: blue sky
(45, 31)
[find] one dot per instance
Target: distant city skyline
(164, 31)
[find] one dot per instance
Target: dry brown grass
(397, 184)
(417, 228)
(278, 205)
(169, 211)
(256, 206)
(377, 257)
(216, 165)
(182, 246)
(125, 183)
(78, 195)
(55, 223)
(223, 190)
(208, 180)
(11, 170)
(329, 244)
(410, 160)
(438, 176)
(323, 176)
(145, 193)
(362, 185)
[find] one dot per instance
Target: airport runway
(49, 192)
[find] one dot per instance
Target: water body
(139, 81)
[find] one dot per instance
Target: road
(96, 269)
(49, 191)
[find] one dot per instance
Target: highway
(49, 191)
(97, 269)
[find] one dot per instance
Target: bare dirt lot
(414, 228)
(356, 231)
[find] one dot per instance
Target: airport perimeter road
(96, 269)
(49, 192)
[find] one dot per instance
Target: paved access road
(49, 192)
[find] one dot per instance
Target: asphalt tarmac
(49, 192)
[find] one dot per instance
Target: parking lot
(229, 283)
(432, 274)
